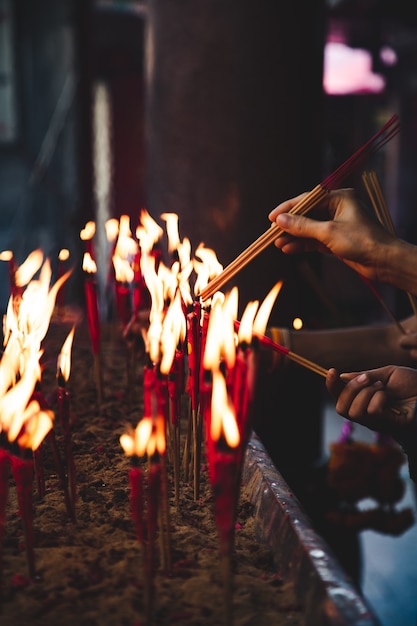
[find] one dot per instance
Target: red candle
(137, 498)
(23, 474)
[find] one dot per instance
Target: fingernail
(362, 378)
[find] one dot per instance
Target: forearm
(398, 266)
(355, 348)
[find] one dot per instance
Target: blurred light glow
(349, 71)
(388, 56)
(297, 323)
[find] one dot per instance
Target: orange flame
(25, 327)
(169, 279)
(223, 417)
(173, 331)
(156, 290)
(171, 220)
(246, 324)
(147, 438)
(112, 229)
(149, 232)
(88, 231)
(206, 269)
(36, 306)
(64, 254)
(261, 320)
(220, 341)
(212, 352)
(26, 271)
(64, 357)
(13, 403)
(123, 271)
(126, 245)
(6, 255)
(89, 265)
(184, 254)
(37, 424)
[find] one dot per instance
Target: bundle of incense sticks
(310, 200)
(376, 195)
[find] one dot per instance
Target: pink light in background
(349, 71)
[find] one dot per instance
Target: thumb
(298, 226)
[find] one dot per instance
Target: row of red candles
(162, 397)
(27, 463)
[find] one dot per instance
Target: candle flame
(171, 220)
(6, 255)
(124, 272)
(88, 231)
(13, 403)
(89, 265)
(26, 271)
(223, 418)
(112, 229)
(25, 327)
(64, 357)
(246, 324)
(126, 246)
(9, 366)
(147, 438)
(143, 434)
(261, 320)
(36, 305)
(64, 254)
(149, 232)
(174, 330)
(37, 424)
(220, 341)
(169, 279)
(184, 254)
(212, 352)
(206, 269)
(156, 290)
(229, 308)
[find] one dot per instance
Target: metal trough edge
(325, 592)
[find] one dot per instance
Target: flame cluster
(171, 288)
(25, 324)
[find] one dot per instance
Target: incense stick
(377, 198)
(310, 200)
(297, 358)
(376, 293)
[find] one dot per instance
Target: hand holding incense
(306, 203)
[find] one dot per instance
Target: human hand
(343, 228)
(381, 399)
